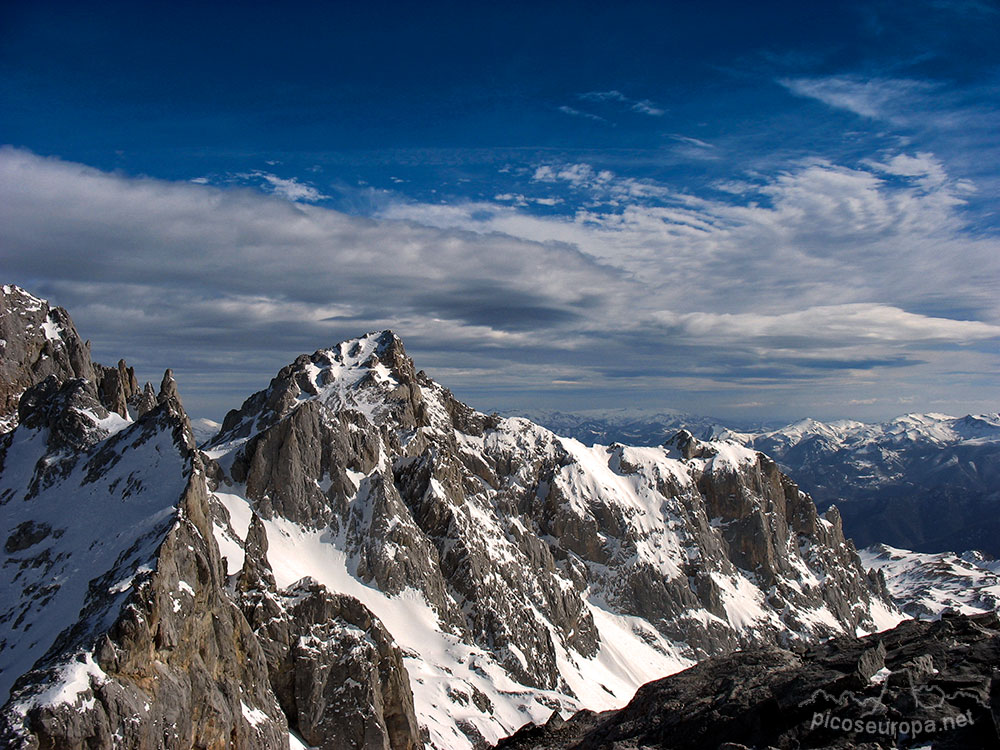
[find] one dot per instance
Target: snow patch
(254, 716)
(65, 686)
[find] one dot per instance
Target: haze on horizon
(753, 212)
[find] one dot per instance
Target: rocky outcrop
(338, 676)
(116, 386)
(152, 652)
(36, 341)
(142, 401)
(917, 685)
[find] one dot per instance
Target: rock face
(525, 545)
(36, 341)
(338, 676)
(918, 684)
(119, 627)
(115, 612)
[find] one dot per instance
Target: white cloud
(876, 98)
(290, 188)
(643, 106)
(647, 107)
(832, 270)
(930, 171)
(831, 325)
(820, 238)
(150, 260)
(577, 113)
(602, 185)
(691, 141)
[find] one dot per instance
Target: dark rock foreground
(933, 685)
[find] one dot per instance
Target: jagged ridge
(120, 625)
(522, 545)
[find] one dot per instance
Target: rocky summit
(358, 559)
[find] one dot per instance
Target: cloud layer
(820, 284)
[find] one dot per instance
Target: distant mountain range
(927, 482)
(628, 426)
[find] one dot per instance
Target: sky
(755, 211)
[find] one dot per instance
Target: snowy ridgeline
(501, 513)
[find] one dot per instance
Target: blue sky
(751, 210)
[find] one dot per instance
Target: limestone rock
(338, 675)
(506, 529)
(133, 640)
(35, 341)
(116, 386)
(142, 401)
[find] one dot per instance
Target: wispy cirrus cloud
(642, 106)
(692, 148)
(877, 98)
(566, 110)
(688, 140)
(956, 122)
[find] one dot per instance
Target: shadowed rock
(920, 683)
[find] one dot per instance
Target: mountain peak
(368, 351)
(357, 374)
(36, 341)
(15, 295)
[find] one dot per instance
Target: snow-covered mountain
(623, 425)
(928, 482)
(921, 481)
(523, 568)
(925, 586)
(204, 429)
(361, 559)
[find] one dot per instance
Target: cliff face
(118, 616)
(37, 341)
(335, 669)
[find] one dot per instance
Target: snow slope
(450, 678)
(99, 522)
(927, 585)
